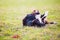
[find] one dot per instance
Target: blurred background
(13, 11)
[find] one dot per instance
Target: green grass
(13, 11)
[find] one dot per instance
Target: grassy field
(13, 11)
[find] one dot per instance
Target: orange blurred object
(15, 36)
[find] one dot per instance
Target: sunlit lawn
(13, 11)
